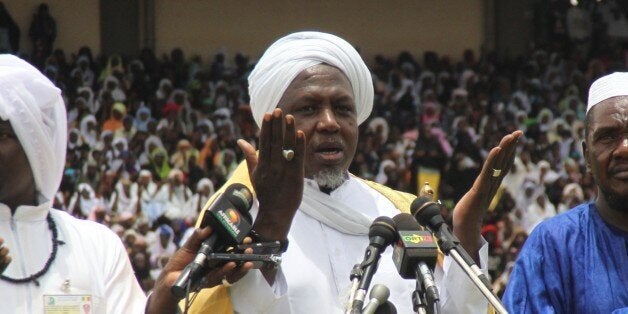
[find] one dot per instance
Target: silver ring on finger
(288, 154)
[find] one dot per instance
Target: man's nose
(622, 148)
(327, 121)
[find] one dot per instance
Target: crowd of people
(151, 138)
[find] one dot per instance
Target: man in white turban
(309, 92)
(591, 238)
(58, 262)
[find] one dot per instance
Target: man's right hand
(278, 182)
(163, 301)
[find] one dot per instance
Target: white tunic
(314, 274)
(92, 262)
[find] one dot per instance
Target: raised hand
(277, 174)
(470, 210)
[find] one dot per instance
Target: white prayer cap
(290, 55)
(606, 87)
(37, 114)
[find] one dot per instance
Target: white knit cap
(37, 114)
(290, 55)
(606, 87)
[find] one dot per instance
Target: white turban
(37, 114)
(606, 87)
(290, 55)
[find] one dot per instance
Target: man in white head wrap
(591, 237)
(54, 255)
(305, 194)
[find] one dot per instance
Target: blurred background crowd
(152, 137)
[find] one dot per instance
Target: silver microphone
(378, 296)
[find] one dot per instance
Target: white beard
(330, 178)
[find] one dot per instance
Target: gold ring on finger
(497, 172)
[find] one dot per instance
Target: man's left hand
(163, 301)
(470, 210)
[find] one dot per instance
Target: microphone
(427, 213)
(386, 308)
(415, 254)
(230, 221)
(381, 234)
(378, 296)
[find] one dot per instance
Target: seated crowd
(151, 139)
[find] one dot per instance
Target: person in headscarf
(82, 68)
(124, 201)
(590, 238)
(324, 91)
(52, 252)
(540, 209)
(184, 152)
(88, 94)
(84, 201)
(142, 117)
(174, 194)
(114, 123)
(164, 90)
(112, 85)
(159, 164)
(128, 129)
(193, 207)
(544, 120)
(144, 190)
(150, 144)
(572, 196)
(78, 111)
(226, 163)
(90, 173)
(75, 142)
(89, 132)
(385, 168)
(164, 247)
(114, 64)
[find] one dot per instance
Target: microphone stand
(422, 293)
(355, 277)
(475, 274)
(419, 305)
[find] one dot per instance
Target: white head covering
(37, 114)
(290, 55)
(606, 87)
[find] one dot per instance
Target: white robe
(93, 261)
(314, 273)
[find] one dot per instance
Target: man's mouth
(620, 172)
(329, 152)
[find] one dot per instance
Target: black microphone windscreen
(405, 221)
(240, 196)
(386, 308)
(383, 227)
(424, 209)
(414, 245)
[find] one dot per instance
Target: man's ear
(585, 151)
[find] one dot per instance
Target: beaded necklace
(55, 243)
